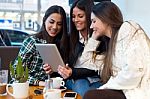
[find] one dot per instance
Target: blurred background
(26, 15)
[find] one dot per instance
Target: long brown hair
(109, 13)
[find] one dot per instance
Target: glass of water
(3, 81)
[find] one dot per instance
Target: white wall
(137, 10)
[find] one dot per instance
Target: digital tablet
(50, 55)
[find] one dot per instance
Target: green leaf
(12, 71)
(26, 73)
(21, 74)
(19, 68)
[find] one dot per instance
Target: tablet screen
(50, 55)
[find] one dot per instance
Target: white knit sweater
(131, 63)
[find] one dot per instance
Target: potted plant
(20, 76)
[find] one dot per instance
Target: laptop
(50, 55)
(8, 54)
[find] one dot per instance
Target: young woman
(126, 71)
(53, 31)
(80, 78)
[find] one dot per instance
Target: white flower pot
(20, 90)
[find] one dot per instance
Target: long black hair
(61, 39)
(86, 6)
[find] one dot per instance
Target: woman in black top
(76, 78)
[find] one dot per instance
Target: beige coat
(131, 63)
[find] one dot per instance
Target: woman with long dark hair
(53, 31)
(79, 75)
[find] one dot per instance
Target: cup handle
(7, 89)
(62, 83)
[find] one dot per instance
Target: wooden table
(33, 96)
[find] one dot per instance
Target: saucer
(63, 88)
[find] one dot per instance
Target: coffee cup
(3, 82)
(52, 94)
(20, 90)
(58, 82)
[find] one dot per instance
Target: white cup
(52, 94)
(57, 82)
(3, 82)
(20, 90)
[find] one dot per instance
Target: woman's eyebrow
(52, 19)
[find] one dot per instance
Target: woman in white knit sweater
(126, 71)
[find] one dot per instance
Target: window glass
(16, 36)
